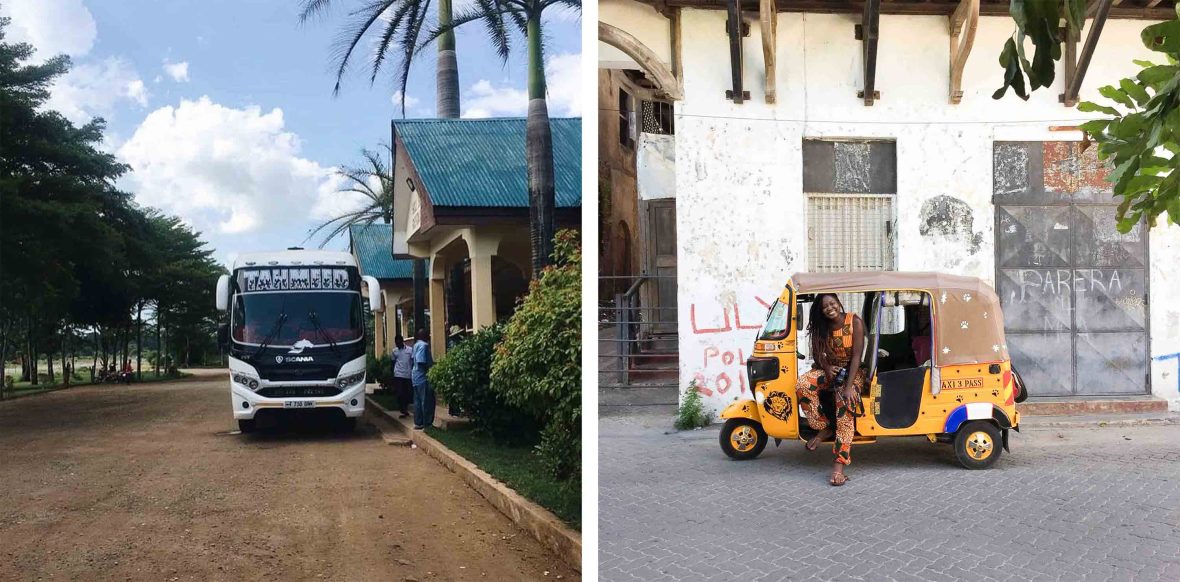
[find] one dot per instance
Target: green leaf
(1143, 63)
(1116, 95)
(1162, 37)
(1154, 76)
(1117, 174)
(1136, 92)
(1091, 107)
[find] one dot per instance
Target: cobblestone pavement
(1066, 504)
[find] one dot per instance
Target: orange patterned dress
(809, 386)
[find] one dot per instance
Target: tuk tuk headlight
(245, 380)
(350, 380)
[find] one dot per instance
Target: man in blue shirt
(423, 393)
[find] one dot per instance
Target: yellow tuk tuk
(935, 355)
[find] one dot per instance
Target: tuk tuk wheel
(977, 444)
(742, 438)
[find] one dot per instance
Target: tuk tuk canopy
(967, 320)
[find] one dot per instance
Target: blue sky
(224, 109)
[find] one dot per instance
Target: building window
(657, 118)
(626, 120)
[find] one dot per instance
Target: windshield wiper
(273, 332)
(316, 322)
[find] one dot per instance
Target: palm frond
(312, 9)
(413, 27)
(364, 18)
(391, 29)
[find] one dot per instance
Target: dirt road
(147, 482)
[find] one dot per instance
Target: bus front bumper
(246, 403)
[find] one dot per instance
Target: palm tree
(499, 18)
(375, 183)
(401, 27)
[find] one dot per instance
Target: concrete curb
(1028, 423)
(538, 521)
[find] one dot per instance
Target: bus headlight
(350, 380)
(246, 380)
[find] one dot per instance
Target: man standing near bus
(403, 365)
(423, 393)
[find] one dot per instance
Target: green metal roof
(481, 162)
(372, 243)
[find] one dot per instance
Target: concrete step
(1092, 406)
(658, 395)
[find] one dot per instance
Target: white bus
(296, 335)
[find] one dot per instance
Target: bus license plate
(298, 404)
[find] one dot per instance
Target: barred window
(657, 118)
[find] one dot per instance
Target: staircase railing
(632, 328)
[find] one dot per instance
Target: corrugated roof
(481, 162)
(372, 243)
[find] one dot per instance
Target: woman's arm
(858, 346)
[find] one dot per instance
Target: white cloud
(411, 101)
(224, 170)
(178, 71)
(484, 100)
(52, 26)
(91, 90)
(563, 77)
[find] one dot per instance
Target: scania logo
(289, 359)
(300, 346)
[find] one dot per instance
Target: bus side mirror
(223, 293)
(223, 336)
(374, 294)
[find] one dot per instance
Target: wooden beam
(1073, 85)
(963, 24)
(1126, 12)
(733, 28)
(645, 57)
(867, 32)
(768, 18)
(677, 55)
(1092, 7)
(1153, 3)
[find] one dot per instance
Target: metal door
(1073, 289)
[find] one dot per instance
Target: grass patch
(518, 467)
(79, 380)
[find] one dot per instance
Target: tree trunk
(139, 341)
(49, 366)
(539, 154)
(33, 375)
(159, 342)
(94, 364)
(447, 72)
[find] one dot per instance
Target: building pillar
(438, 330)
(483, 307)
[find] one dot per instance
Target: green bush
(463, 378)
(538, 365)
(379, 370)
(692, 411)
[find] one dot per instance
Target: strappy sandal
(841, 481)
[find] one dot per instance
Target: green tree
(374, 182)
(1141, 142)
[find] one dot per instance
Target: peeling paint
(949, 216)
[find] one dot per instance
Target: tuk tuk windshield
(777, 323)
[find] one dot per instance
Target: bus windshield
(338, 315)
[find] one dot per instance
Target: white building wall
(740, 207)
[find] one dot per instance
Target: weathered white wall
(642, 22)
(655, 166)
(740, 207)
